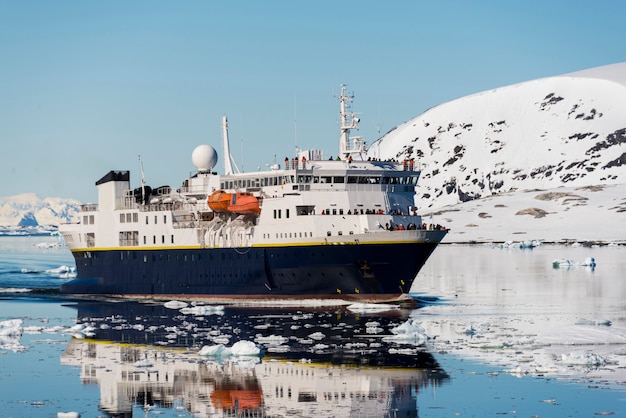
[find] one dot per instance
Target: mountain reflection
(314, 362)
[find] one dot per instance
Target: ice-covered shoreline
(589, 215)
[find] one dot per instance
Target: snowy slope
(568, 130)
(28, 209)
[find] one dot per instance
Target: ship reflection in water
(314, 362)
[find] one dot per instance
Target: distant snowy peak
(30, 210)
(613, 72)
(546, 133)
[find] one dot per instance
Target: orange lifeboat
(243, 203)
(218, 201)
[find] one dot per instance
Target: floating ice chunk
(245, 348)
(567, 263)
(409, 327)
(271, 340)
(11, 328)
(470, 330)
(589, 261)
(410, 332)
(279, 349)
(583, 359)
(175, 304)
(320, 346)
(371, 307)
(33, 329)
(317, 336)
(405, 351)
(562, 263)
(212, 350)
(68, 415)
(373, 330)
(415, 339)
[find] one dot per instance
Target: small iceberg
(410, 332)
(567, 263)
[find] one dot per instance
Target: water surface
(504, 326)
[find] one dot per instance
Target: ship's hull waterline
(360, 272)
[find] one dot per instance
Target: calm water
(509, 335)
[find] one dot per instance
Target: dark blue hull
(261, 272)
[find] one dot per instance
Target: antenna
(295, 121)
(143, 183)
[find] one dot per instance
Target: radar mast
(349, 146)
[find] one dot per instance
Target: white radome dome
(204, 157)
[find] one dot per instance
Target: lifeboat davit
(243, 203)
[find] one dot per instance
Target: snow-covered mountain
(30, 210)
(567, 130)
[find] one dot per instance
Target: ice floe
(372, 307)
(239, 349)
(175, 304)
(10, 335)
(566, 263)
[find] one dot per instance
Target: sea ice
(175, 304)
(371, 307)
(11, 327)
(240, 348)
(583, 359)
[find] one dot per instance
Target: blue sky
(87, 86)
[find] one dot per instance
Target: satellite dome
(204, 157)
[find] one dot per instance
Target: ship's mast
(229, 161)
(349, 146)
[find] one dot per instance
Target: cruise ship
(345, 228)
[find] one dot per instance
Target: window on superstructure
(352, 179)
(339, 179)
(145, 241)
(164, 219)
(286, 213)
(326, 179)
(122, 218)
(154, 239)
(172, 239)
(155, 219)
(162, 239)
(91, 219)
(135, 217)
(129, 217)
(146, 220)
